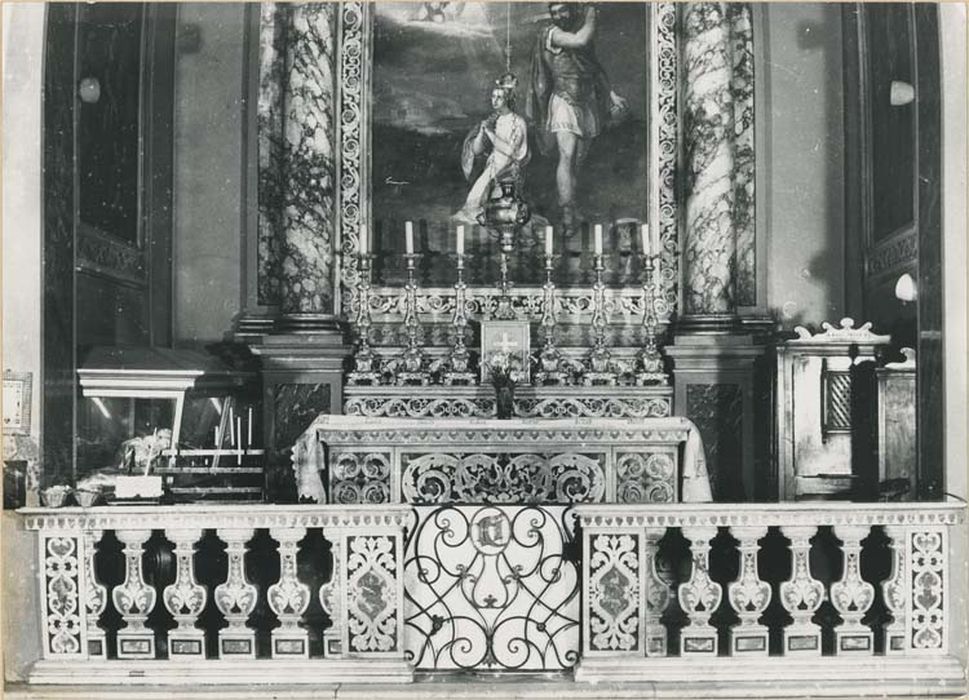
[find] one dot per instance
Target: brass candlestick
(549, 358)
(599, 361)
(412, 362)
(366, 368)
(458, 359)
(650, 361)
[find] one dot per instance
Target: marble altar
(349, 459)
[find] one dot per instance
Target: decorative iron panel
(492, 587)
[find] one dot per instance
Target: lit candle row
(649, 235)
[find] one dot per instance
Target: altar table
(352, 459)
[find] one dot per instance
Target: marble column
(718, 253)
(303, 350)
(296, 230)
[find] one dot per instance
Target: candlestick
(549, 359)
(599, 358)
(646, 239)
(409, 237)
(413, 358)
(458, 359)
(548, 241)
(598, 239)
(365, 360)
(651, 364)
(460, 246)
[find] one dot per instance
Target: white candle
(598, 232)
(364, 243)
(249, 429)
(239, 431)
(654, 243)
(232, 431)
(647, 243)
(215, 436)
(460, 240)
(409, 237)
(548, 240)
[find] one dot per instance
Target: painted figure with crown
(503, 139)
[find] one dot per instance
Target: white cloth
(696, 479)
(308, 459)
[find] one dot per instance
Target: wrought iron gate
(492, 588)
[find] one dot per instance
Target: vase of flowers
(504, 371)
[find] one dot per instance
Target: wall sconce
(900, 93)
(89, 90)
(905, 289)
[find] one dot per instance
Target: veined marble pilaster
(272, 69)
(296, 199)
(709, 255)
(742, 87)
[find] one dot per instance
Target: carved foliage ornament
(488, 478)
(62, 605)
(614, 592)
(372, 593)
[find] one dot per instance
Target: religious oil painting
(475, 100)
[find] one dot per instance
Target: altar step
(669, 678)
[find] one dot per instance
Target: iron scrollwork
(492, 587)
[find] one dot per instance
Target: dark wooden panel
(109, 313)
(930, 386)
(890, 40)
(58, 396)
(109, 51)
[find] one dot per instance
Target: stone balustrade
(842, 596)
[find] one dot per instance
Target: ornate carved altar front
(346, 459)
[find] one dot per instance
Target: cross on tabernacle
(506, 343)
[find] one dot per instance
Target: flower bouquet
(504, 371)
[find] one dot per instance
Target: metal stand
(504, 312)
(650, 361)
(550, 357)
(458, 360)
(366, 363)
(600, 368)
(411, 367)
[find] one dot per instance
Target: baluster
(852, 595)
(331, 598)
(699, 596)
(236, 598)
(658, 594)
(185, 598)
(134, 599)
(749, 595)
(893, 591)
(289, 598)
(95, 598)
(801, 594)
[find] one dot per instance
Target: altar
(351, 459)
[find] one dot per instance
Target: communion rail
(786, 597)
